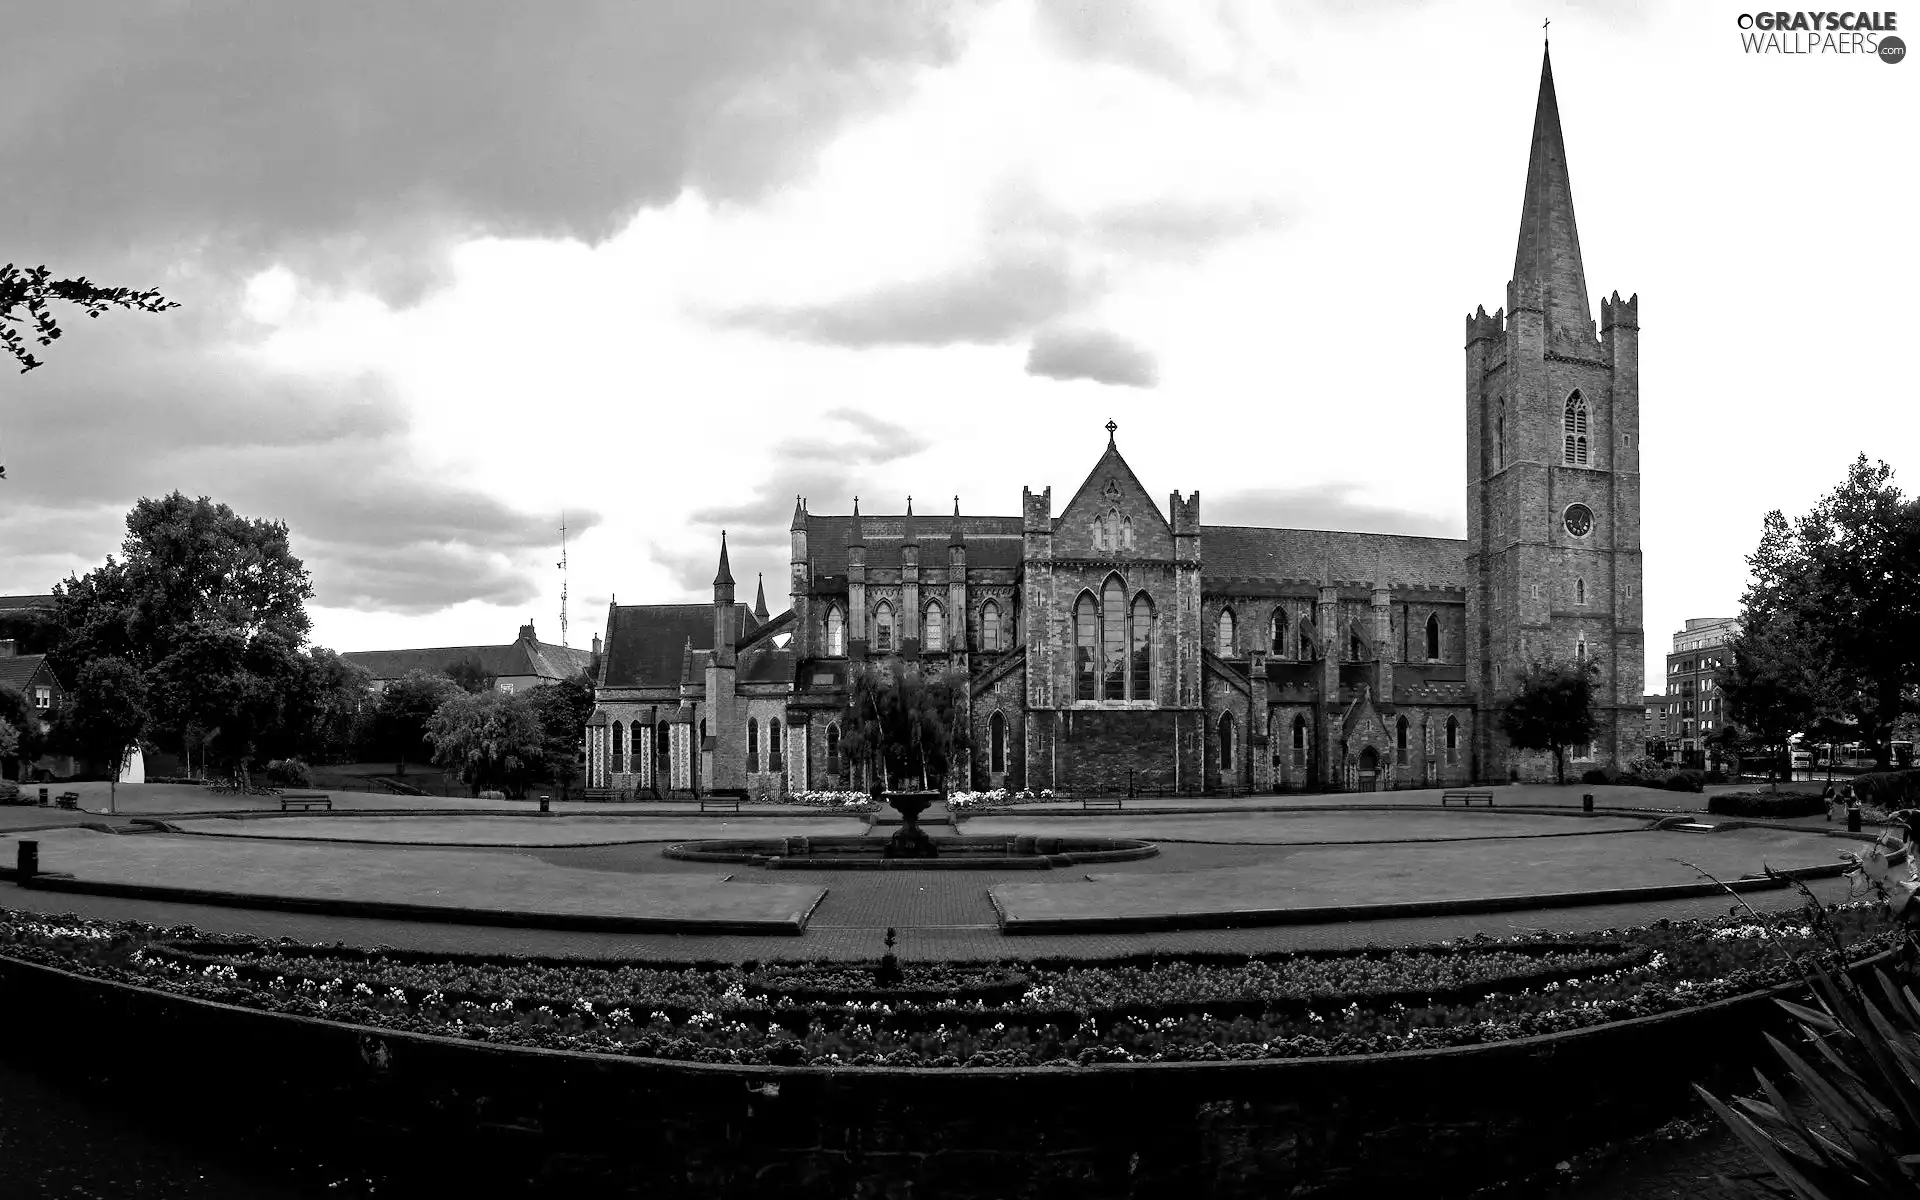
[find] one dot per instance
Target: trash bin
(29, 861)
(43, 797)
(1853, 821)
(543, 803)
(1586, 802)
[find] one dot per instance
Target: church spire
(760, 601)
(725, 577)
(1547, 273)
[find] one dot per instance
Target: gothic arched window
(997, 742)
(934, 628)
(1400, 742)
(753, 744)
(1126, 532)
(662, 740)
(1226, 741)
(833, 749)
(1574, 429)
(1356, 649)
(1099, 533)
(619, 750)
(1500, 442)
(1086, 648)
(1433, 636)
(883, 628)
(1453, 738)
(773, 746)
(1299, 741)
(990, 626)
(836, 630)
(1279, 638)
(1306, 641)
(1113, 640)
(1579, 591)
(1226, 633)
(1142, 648)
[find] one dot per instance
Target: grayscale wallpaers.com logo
(1822, 33)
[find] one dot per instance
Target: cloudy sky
(450, 269)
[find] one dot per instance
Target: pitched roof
(540, 659)
(12, 602)
(17, 671)
(1546, 261)
(1240, 552)
(646, 642)
(991, 541)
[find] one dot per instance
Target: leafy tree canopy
(30, 743)
(398, 727)
(1839, 592)
(471, 674)
(902, 725)
(563, 708)
(27, 295)
(106, 713)
(493, 740)
(1551, 709)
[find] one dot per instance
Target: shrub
(10, 792)
(1778, 806)
(1685, 781)
(1716, 775)
(289, 772)
(1594, 775)
(493, 795)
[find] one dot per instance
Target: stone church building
(1114, 641)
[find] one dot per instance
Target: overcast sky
(450, 269)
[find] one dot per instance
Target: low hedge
(1779, 806)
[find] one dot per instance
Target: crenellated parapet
(1484, 328)
(1622, 313)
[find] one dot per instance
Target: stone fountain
(910, 841)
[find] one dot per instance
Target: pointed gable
(1110, 510)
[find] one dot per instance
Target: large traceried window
(997, 743)
(1433, 636)
(934, 628)
(1113, 641)
(883, 628)
(1086, 648)
(990, 626)
(1225, 649)
(1574, 430)
(1142, 686)
(836, 631)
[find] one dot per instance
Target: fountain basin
(849, 852)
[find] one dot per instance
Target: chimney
(596, 645)
(526, 633)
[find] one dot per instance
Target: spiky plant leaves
(1792, 1168)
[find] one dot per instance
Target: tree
(563, 708)
(30, 741)
(9, 739)
(471, 674)
(1551, 709)
(106, 715)
(26, 309)
(493, 740)
(400, 718)
(330, 709)
(1845, 578)
(26, 298)
(902, 724)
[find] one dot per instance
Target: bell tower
(1553, 477)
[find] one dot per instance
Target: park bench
(305, 800)
(1087, 802)
(597, 794)
(729, 801)
(67, 800)
(1466, 799)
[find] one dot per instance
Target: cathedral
(1115, 643)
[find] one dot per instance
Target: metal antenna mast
(562, 564)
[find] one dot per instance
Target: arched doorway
(1369, 768)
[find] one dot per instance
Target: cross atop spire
(1547, 272)
(1111, 427)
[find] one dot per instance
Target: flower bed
(846, 802)
(1168, 1009)
(964, 802)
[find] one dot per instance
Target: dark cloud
(995, 300)
(349, 131)
(139, 406)
(759, 528)
(1092, 354)
(1322, 506)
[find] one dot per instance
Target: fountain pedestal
(910, 841)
